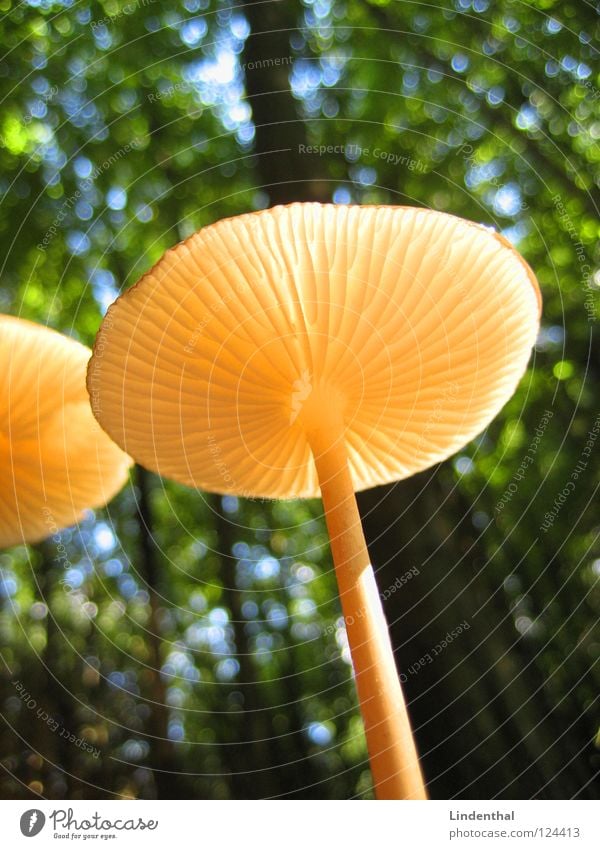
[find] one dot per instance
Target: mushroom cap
(407, 328)
(56, 460)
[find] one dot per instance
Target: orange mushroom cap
(407, 329)
(57, 461)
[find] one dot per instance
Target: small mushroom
(319, 349)
(56, 460)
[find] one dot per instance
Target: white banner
(300, 824)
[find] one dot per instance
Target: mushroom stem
(392, 752)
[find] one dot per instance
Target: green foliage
(125, 129)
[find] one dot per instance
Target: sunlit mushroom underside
(416, 326)
(56, 461)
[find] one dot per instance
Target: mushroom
(57, 461)
(320, 349)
